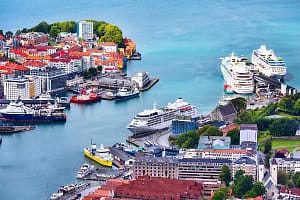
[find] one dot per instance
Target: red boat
(84, 97)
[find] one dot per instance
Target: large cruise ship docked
(149, 121)
(268, 63)
(236, 74)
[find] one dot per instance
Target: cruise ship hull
(107, 163)
(148, 130)
(32, 118)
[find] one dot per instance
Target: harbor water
(181, 43)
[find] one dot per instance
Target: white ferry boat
(236, 74)
(149, 121)
(268, 63)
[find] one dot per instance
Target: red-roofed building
(34, 64)
(282, 153)
(109, 46)
(226, 129)
(66, 64)
(34, 38)
(290, 193)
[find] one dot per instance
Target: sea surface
(181, 43)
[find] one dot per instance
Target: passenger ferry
(268, 63)
(236, 74)
(149, 121)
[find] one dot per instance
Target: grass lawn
(288, 144)
(283, 114)
(263, 136)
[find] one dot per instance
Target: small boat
(85, 170)
(136, 56)
(85, 97)
(124, 94)
(7, 128)
(100, 155)
(228, 89)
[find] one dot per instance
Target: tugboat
(100, 155)
(124, 94)
(85, 97)
(18, 112)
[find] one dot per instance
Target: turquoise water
(181, 43)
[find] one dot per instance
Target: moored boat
(124, 94)
(17, 111)
(85, 170)
(100, 155)
(85, 97)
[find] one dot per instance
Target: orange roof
(16, 67)
(34, 64)
(5, 70)
(107, 44)
(78, 53)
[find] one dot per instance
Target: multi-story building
(248, 133)
(182, 124)
(288, 165)
(52, 79)
(24, 88)
(246, 164)
(85, 30)
(230, 154)
(202, 169)
(34, 38)
(109, 46)
(157, 167)
(66, 64)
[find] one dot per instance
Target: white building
(85, 30)
(23, 88)
(109, 46)
(248, 133)
(288, 165)
(230, 154)
(141, 78)
(66, 64)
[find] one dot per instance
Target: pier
(273, 84)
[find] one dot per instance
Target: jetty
(8, 129)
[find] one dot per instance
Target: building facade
(23, 88)
(246, 164)
(183, 124)
(248, 133)
(85, 30)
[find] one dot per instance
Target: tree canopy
(225, 175)
(234, 136)
(240, 104)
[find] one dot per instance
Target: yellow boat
(100, 155)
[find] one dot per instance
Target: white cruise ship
(149, 121)
(236, 74)
(268, 63)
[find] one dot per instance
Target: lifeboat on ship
(228, 89)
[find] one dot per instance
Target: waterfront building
(248, 165)
(164, 167)
(290, 193)
(24, 88)
(52, 79)
(85, 30)
(141, 78)
(182, 124)
(248, 133)
(224, 113)
(230, 154)
(214, 142)
(202, 169)
(109, 46)
(34, 38)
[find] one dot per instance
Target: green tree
(203, 129)
(112, 34)
(297, 107)
(296, 179)
(225, 175)
(18, 32)
(221, 194)
(54, 30)
(243, 185)
(263, 123)
(234, 136)
(212, 131)
(1, 32)
(240, 104)
(268, 147)
(9, 34)
(282, 177)
(283, 127)
(286, 104)
(188, 140)
(41, 27)
(238, 174)
(250, 194)
(243, 118)
(259, 188)
(93, 71)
